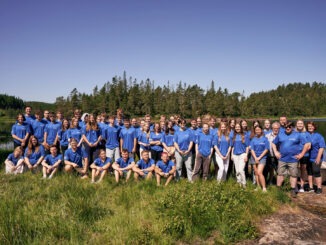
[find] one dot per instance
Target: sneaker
(293, 193)
(301, 190)
(319, 191)
(311, 190)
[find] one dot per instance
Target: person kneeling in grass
(144, 167)
(164, 169)
(123, 166)
(100, 166)
(76, 159)
(15, 162)
(51, 162)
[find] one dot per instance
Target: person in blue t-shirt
(34, 155)
(29, 117)
(100, 166)
(259, 147)
(240, 149)
(286, 147)
(143, 139)
(111, 137)
(222, 146)
(123, 166)
(168, 143)
(204, 150)
(128, 138)
(155, 140)
(165, 168)
(183, 142)
(316, 157)
(76, 159)
(75, 132)
(144, 167)
(51, 163)
(51, 133)
(15, 162)
(63, 136)
(20, 132)
(38, 127)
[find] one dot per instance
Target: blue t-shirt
(167, 139)
(29, 119)
(34, 156)
(76, 156)
(289, 145)
(124, 164)
(75, 133)
(238, 146)
(143, 165)
(128, 136)
(52, 130)
(98, 161)
(213, 131)
(165, 167)
(156, 137)
(111, 135)
(63, 137)
(317, 142)
(91, 135)
(183, 139)
(20, 130)
(51, 160)
(222, 144)
(308, 139)
(205, 144)
(143, 138)
(38, 128)
(267, 131)
(259, 145)
(14, 160)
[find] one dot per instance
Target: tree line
(139, 98)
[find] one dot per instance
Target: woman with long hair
(75, 132)
(155, 140)
(34, 155)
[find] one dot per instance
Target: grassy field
(68, 210)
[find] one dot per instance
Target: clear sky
(47, 48)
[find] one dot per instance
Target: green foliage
(67, 209)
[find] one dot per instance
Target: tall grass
(68, 210)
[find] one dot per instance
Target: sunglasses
(288, 127)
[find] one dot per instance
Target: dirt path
(303, 224)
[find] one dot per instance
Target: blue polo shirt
(259, 145)
(143, 165)
(51, 160)
(156, 137)
(222, 144)
(34, 156)
(128, 136)
(111, 135)
(52, 130)
(289, 145)
(317, 142)
(142, 137)
(20, 130)
(205, 144)
(165, 167)
(123, 163)
(75, 133)
(98, 161)
(167, 139)
(183, 139)
(76, 156)
(63, 137)
(14, 160)
(239, 147)
(38, 128)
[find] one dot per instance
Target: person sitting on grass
(164, 169)
(15, 162)
(100, 166)
(123, 166)
(34, 155)
(76, 159)
(51, 162)
(144, 167)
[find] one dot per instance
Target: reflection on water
(7, 146)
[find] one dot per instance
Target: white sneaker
(301, 190)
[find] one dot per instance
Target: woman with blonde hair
(34, 155)
(15, 162)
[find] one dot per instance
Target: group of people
(167, 148)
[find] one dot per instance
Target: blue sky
(47, 48)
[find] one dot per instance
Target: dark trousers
(201, 161)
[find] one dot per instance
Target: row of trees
(139, 98)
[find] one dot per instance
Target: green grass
(69, 210)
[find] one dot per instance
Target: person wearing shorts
(123, 166)
(165, 168)
(51, 162)
(144, 167)
(100, 166)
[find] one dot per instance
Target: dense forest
(139, 98)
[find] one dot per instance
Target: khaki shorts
(290, 168)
